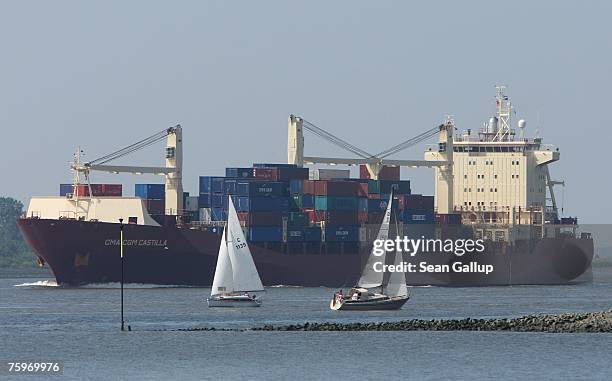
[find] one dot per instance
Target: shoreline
(587, 322)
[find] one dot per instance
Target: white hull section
(379, 303)
(236, 301)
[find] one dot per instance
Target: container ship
(314, 226)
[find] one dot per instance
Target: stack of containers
(378, 196)
(336, 207)
(154, 197)
(98, 190)
(266, 202)
(210, 199)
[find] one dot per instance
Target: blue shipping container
(65, 189)
(265, 233)
(296, 186)
(218, 214)
(308, 201)
(262, 204)
(239, 173)
(341, 233)
(312, 234)
(295, 234)
(211, 184)
(261, 189)
(362, 204)
(229, 186)
(217, 200)
(226, 201)
(150, 191)
(418, 216)
(205, 200)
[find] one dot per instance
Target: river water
(80, 326)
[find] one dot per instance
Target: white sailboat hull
(374, 304)
(234, 301)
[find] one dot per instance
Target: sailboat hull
(388, 303)
(233, 301)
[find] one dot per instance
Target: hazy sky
(105, 74)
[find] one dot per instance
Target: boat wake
(39, 283)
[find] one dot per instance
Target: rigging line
(125, 150)
(155, 136)
(136, 148)
(408, 143)
(336, 140)
(411, 141)
(129, 148)
(339, 142)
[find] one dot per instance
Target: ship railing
(209, 224)
(34, 214)
(67, 215)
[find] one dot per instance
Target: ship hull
(84, 252)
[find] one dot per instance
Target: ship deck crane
(172, 171)
(375, 162)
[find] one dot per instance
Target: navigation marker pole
(121, 251)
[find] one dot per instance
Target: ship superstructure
(500, 179)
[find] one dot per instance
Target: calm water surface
(80, 326)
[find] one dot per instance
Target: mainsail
(370, 278)
(246, 277)
(223, 281)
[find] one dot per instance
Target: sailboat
(371, 291)
(236, 278)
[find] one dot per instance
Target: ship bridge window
(489, 149)
(133, 220)
(497, 149)
(504, 149)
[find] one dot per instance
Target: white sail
(370, 278)
(223, 281)
(246, 277)
(397, 280)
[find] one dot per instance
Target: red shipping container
(271, 174)
(336, 188)
(362, 190)
(312, 215)
(362, 217)
(99, 190)
(386, 173)
(308, 187)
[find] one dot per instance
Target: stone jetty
(568, 322)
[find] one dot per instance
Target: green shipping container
(336, 203)
(298, 219)
(295, 202)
